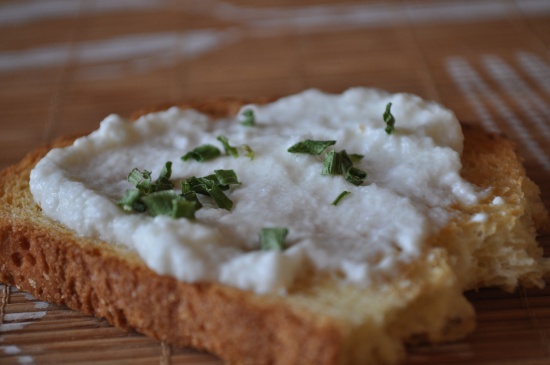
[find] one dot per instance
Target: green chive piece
(345, 161)
(311, 147)
(163, 182)
(222, 201)
(131, 202)
(196, 184)
(141, 180)
(331, 164)
(389, 119)
(249, 152)
(182, 208)
(160, 202)
(215, 180)
(355, 176)
(273, 238)
(229, 150)
(188, 194)
(355, 157)
(226, 177)
(249, 119)
(202, 153)
(342, 195)
(212, 186)
(192, 197)
(336, 163)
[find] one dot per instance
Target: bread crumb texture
(320, 321)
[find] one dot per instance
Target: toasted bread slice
(320, 320)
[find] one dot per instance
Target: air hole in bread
(7, 278)
(17, 259)
(30, 259)
(71, 286)
(45, 265)
(24, 244)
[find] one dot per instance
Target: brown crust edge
(95, 281)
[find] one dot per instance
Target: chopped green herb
(229, 150)
(339, 163)
(249, 152)
(192, 197)
(355, 176)
(311, 147)
(226, 177)
(331, 164)
(355, 157)
(336, 163)
(131, 202)
(249, 119)
(182, 208)
(159, 203)
(195, 184)
(163, 182)
(141, 180)
(212, 185)
(389, 119)
(273, 238)
(222, 201)
(158, 198)
(188, 194)
(342, 195)
(170, 204)
(202, 153)
(215, 180)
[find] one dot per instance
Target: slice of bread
(320, 320)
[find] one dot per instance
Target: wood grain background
(65, 65)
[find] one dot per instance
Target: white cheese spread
(413, 176)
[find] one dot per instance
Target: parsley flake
(336, 163)
(226, 177)
(229, 150)
(311, 147)
(355, 176)
(202, 153)
(131, 202)
(389, 119)
(249, 119)
(273, 238)
(163, 182)
(211, 185)
(169, 203)
(140, 179)
(157, 197)
(341, 196)
(249, 152)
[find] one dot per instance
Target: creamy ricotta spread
(413, 177)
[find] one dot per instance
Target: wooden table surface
(65, 65)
